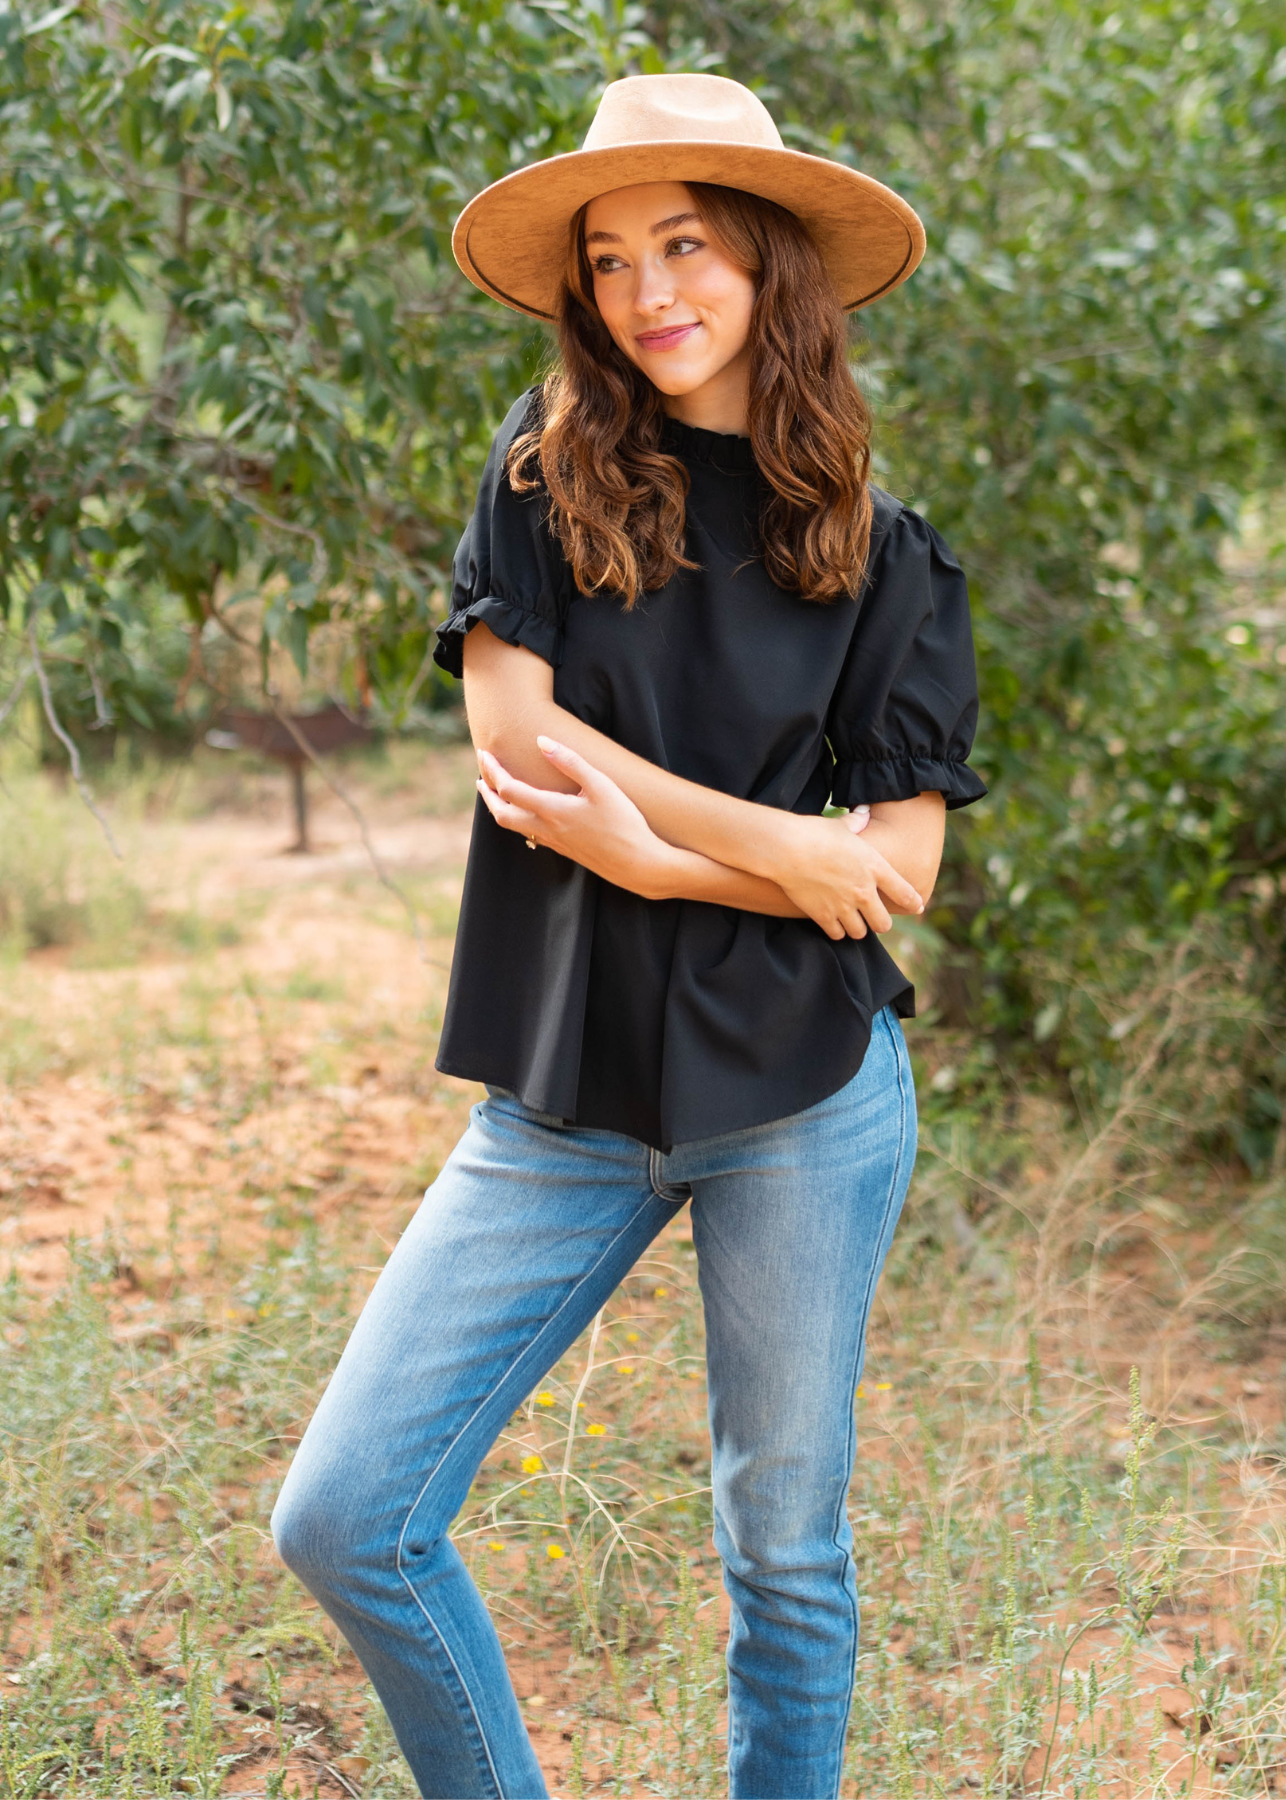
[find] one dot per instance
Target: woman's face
(668, 293)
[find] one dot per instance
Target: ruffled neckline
(723, 450)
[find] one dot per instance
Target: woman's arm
(826, 871)
(600, 827)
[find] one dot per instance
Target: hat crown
(680, 109)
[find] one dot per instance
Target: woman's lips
(667, 339)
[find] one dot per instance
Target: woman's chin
(678, 382)
(673, 382)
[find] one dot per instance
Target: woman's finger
(498, 777)
(501, 811)
(889, 882)
(854, 924)
(876, 914)
(570, 763)
(513, 818)
(543, 802)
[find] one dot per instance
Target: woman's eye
(603, 265)
(683, 246)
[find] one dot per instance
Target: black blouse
(672, 1020)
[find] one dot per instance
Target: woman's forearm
(728, 833)
(686, 875)
(510, 703)
(595, 823)
(831, 875)
(736, 833)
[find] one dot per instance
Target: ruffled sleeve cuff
(902, 778)
(515, 624)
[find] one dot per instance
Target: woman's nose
(654, 288)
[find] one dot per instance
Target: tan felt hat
(511, 241)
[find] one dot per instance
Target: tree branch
(73, 754)
(15, 693)
(341, 793)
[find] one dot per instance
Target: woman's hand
(598, 826)
(839, 880)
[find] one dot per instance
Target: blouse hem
(513, 623)
(901, 999)
(902, 778)
(466, 1069)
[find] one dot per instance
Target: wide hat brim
(512, 239)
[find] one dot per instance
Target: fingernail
(548, 745)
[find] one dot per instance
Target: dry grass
(214, 1122)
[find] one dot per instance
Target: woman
(685, 622)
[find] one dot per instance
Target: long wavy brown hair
(617, 499)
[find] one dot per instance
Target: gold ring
(531, 843)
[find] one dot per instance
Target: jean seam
(464, 1686)
(664, 1189)
(437, 1468)
(852, 1416)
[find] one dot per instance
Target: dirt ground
(96, 1142)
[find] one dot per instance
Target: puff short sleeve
(904, 711)
(509, 571)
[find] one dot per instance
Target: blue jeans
(519, 1242)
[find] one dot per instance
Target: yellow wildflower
(660, 1293)
(555, 1552)
(883, 1387)
(531, 1465)
(627, 1368)
(545, 1399)
(595, 1430)
(493, 1545)
(631, 1337)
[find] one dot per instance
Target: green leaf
(324, 394)
(172, 52)
(48, 20)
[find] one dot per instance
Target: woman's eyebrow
(684, 218)
(610, 237)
